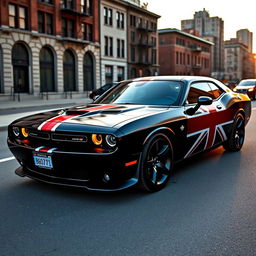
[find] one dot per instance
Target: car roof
(177, 78)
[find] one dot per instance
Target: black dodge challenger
(131, 135)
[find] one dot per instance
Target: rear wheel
(156, 163)
(236, 139)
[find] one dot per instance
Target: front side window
(216, 91)
(145, 93)
(197, 90)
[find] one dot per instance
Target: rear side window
(198, 89)
(216, 91)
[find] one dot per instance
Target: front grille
(39, 135)
(69, 137)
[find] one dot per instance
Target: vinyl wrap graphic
(207, 129)
(52, 123)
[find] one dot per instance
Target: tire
(156, 163)
(236, 138)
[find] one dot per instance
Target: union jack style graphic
(53, 123)
(205, 128)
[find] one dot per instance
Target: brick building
(181, 53)
(49, 47)
(142, 41)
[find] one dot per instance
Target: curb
(3, 128)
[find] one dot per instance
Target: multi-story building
(49, 47)
(142, 41)
(181, 53)
(245, 37)
(239, 62)
(113, 41)
(212, 29)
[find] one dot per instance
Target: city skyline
(235, 17)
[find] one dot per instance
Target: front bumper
(79, 169)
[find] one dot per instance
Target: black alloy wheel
(236, 139)
(156, 163)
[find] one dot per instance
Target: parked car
(131, 135)
(247, 86)
(101, 90)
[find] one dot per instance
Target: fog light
(24, 132)
(106, 178)
(97, 139)
(16, 131)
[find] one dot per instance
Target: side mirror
(202, 101)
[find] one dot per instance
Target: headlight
(16, 131)
(97, 139)
(111, 140)
(250, 90)
(234, 89)
(24, 132)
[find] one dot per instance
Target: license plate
(43, 161)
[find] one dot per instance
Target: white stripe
(41, 125)
(51, 150)
(37, 149)
(7, 159)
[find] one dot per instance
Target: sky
(236, 14)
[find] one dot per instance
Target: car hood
(101, 115)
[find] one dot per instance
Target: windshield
(247, 83)
(145, 93)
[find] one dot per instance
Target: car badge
(182, 128)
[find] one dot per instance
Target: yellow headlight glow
(97, 139)
(24, 132)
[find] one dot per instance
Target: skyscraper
(244, 36)
(212, 29)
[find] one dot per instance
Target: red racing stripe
(56, 121)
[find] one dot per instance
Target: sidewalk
(20, 109)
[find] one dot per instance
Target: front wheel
(236, 138)
(156, 163)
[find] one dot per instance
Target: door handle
(219, 107)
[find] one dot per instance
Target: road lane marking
(7, 159)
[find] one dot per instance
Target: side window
(216, 91)
(198, 89)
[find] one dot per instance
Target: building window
(45, 23)
(86, 7)
(132, 53)
(108, 46)
(67, 4)
(20, 62)
(119, 20)
(120, 48)
(120, 73)
(132, 21)
(177, 58)
(46, 1)
(69, 71)
(154, 56)
(108, 74)
(18, 16)
(153, 41)
(68, 28)
(46, 70)
(132, 36)
(87, 32)
(108, 16)
(88, 66)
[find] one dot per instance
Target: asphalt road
(208, 209)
